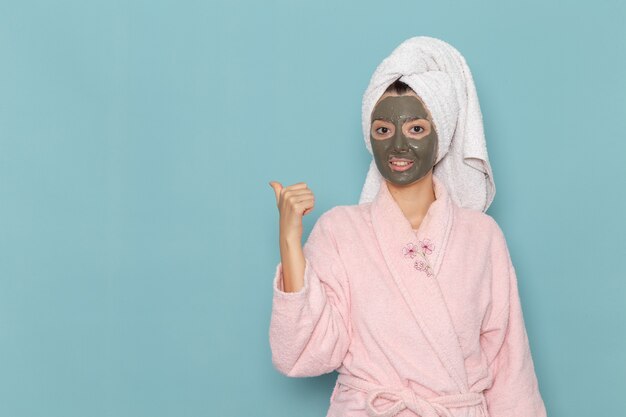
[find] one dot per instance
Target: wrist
(290, 240)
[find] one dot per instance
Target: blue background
(139, 235)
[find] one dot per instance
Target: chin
(407, 182)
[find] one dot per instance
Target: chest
(379, 309)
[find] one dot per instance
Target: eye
(414, 129)
(382, 130)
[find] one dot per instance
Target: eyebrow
(408, 119)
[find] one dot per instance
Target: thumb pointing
(277, 188)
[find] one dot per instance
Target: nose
(400, 143)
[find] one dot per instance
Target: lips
(400, 164)
(393, 159)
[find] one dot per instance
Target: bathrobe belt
(406, 398)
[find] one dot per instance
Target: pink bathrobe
(423, 322)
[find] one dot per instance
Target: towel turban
(439, 75)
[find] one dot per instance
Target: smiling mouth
(400, 164)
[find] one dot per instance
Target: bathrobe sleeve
(515, 390)
(310, 329)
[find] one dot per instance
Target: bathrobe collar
(414, 260)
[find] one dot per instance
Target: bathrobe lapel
(414, 262)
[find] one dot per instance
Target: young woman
(411, 294)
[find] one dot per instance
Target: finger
(295, 193)
(297, 186)
(298, 198)
(303, 203)
(304, 206)
(277, 187)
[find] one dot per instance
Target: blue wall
(139, 235)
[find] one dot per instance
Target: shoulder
(343, 223)
(334, 226)
(345, 214)
(478, 224)
(484, 232)
(487, 230)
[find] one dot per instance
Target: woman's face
(403, 138)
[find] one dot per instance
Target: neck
(414, 199)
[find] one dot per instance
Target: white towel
(439, 75)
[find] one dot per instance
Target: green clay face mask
(404, 141)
